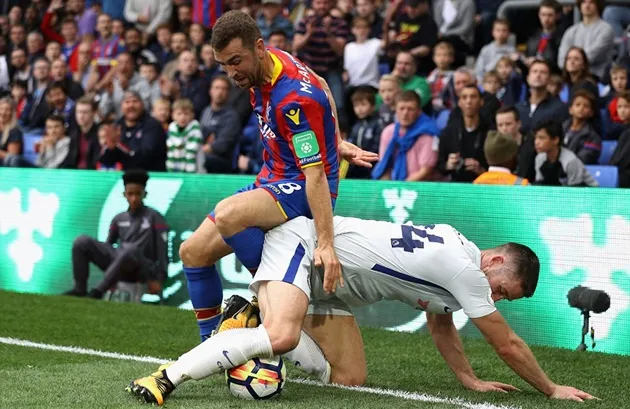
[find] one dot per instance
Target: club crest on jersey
(265, 129)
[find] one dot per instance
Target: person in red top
(68, 38)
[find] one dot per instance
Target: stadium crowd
(443, 90)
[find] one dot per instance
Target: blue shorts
(290, 196)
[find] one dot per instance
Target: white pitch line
(420, 397)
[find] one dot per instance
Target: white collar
(499, 169)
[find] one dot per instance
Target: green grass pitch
(37, 378)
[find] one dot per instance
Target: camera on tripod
(588, 300)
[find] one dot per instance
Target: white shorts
(287, 256)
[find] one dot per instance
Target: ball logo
(306, 147)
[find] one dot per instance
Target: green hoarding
(581, 235)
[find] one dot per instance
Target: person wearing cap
(140, 140)
(141, 254)
(270, 19)
(501, 154)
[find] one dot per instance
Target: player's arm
(112, 235)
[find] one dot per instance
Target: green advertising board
(581, 235)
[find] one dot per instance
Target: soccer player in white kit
(433, 268)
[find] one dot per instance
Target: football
(259, 378)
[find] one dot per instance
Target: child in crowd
(360, 58)
(184, 138)
(366, 132)
(555, 85)
(55, 145)
(491, 53)
(439, 78)
(18, 94)
(621, 156)
(150, 72)
(579, 135)
(619, 83)
(511, 82)
(491, 82)
(388, 88)
(162, 112)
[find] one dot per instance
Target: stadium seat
(30, 139)
(441, 120)
(383, 69)
(606, 176)
(606, 122)
(608, 148)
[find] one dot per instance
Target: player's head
(512, 270)
(135, 182)
(239, 48)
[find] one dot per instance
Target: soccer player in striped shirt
(184, 138)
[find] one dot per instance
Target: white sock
(309, 357)
(222, 351)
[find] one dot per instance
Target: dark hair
(541, 61)
(599, 3)
(525, 265)
(586, 70)
(223, 78)
(151, 64)
(583, 93)
(363, 95)
(359, 19)
(472, 86)
(410, 96)
(278, 33)
(232, 25)
(69, 20)
(57, 118)
(552, 4)
(510, 109)
(19, 49)
(136, 177)
(164, 26)
(553, 129)
(132, 28)
(57, 85)
(503, 21)
(20, 84)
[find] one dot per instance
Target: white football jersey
(432, 268)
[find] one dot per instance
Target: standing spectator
(270, 19)
(509, 123)
(84, 145)
(55, 145)
(439, 78)
(415, 31)
(11, 138)
(555, 164)
(544, 44)
(366, 132)
(367, 10)
(406, 146)
(579, 135)
(491, 54)
(621, 156)
(501, 154)
(184, 138)
(148, 15)
(141, 143)
(59, 73)
(34, 115)
(456, 22)
(191, 82)
(360, 57)
(218, 124)
(461, 153)
(592, 34)
(320, 40)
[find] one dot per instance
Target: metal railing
(534, 4)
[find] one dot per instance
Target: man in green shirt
(405, 70)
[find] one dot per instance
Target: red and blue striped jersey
(296, 122)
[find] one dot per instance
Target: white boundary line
(420, 397)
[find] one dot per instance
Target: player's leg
(199, 253)
(86, 250)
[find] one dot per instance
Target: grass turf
(33, 378)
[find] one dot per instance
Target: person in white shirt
(433, 268)
(360, 57)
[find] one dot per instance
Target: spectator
(55, 145)
(278, 39)
(492, 53)
(320, 40)
(35, 46)
(133, 45)
(486, 14)
(84, 145)
(404, 70)
(19, 91)
(456, 22)
(592, 34)
(125, 79)
(509, 123)
(270, 19)
(220, 133)
(149, 73)
(367, 10)
(366, 132)
(461, 153)
(59, 103)
(17, 37)
(19, 69)
(81, 72)
(501, 153)
(86, 18)
(162, 47)
(388, 89)
(15, 15)
(579, 135)
(52, 51)
(105, 50)
(69, 36)
(544, 44)
(440, 77)
(162, 112)
(141, 254)
(415, 31)
(406, 146)
(148, 15)
(179, 44)
(11, 139)
(462, 78)
(619, 84)
(141, 142)
(555, 84)
(191, 83)
(34, 115)
(555, 164)
(360, 57)
(59, 73)
(510, 80)
(621, 156)
(183, 16)
(576, 75)
(118, 28)
(491, 83)
(197, 36)
(540, 106)
(184, 138)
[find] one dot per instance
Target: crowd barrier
(582, 236)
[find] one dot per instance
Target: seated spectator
(81, 69)
(511, 82)
(406, 146)
(118, 27)
(141, 254)
(19, 96)
(457, 26)
(162, 112)
(366, 132)
(55, 145)
(554, 87)
(461, 153)
(36, 110)
(592, 34)
(579, 135)
(360, 57)
(440, 77)
(463, 78)
(555, 164)
(105, 50)
(84, 145)
(405, 71)
(133, 45)
(162, 47)
(491, 83)
(619, 84)
(208, 65)
(576, 75)
(197, 34)
(125, 79)
(502, 156)
(19, 69)
(219, 126)
(388, 89)
(270, 19)
(190, 82)
(509, 123)
(35, 47)
(52, 51)
(491, 53)
(149, 72)
(59, 74)
(544, 44)
(278, 39)
(621, 156)
(141, 142)
(59, 103)
(11, 138)
(184, 138)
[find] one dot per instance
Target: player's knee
(225, 217)
(284, 338)
(357, 377)
(191, 254)
(81, 242)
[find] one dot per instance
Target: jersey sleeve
(301, 122)
(472, 291)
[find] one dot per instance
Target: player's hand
(325, 256)
(491, 386)
(355, 155)
(571, 393)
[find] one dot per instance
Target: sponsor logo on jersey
(294, 116)
(305, 144)
(274, 189)
(265, 129)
